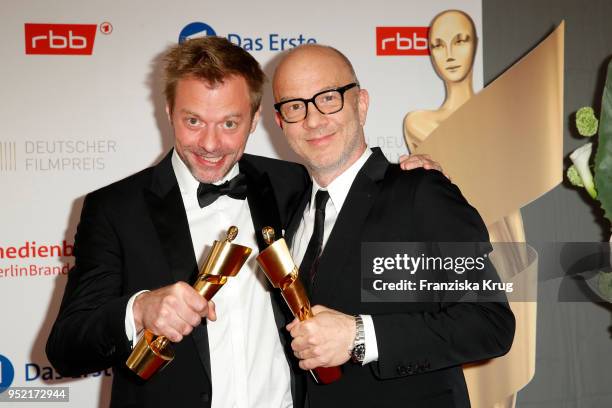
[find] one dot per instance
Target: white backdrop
(73, 123)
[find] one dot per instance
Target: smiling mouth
(209, 160)
(319, 139)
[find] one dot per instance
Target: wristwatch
(358, 349)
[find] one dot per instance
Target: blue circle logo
(7, 373)
(195, 30)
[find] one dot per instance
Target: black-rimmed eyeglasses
(327, 102)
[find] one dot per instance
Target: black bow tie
(234, 188)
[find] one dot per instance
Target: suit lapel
(293, 226)
(168, 214)
(167, 211)
(349, 224)
(264, 212)
(261, 199)
(294, 223)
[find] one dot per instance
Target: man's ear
(255, 120)
(278, 119)
(363, 103)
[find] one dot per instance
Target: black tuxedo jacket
(134, 235)
(421, 346)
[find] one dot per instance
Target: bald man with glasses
(392, 354)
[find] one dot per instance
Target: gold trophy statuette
(152, 353)
(279, 267)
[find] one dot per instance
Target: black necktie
(309, 264)
(234, 188)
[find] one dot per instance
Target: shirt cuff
(130, 325)
(371, 347)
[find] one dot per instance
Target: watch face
(359, 353)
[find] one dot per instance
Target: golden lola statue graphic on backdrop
(153, 353)
(279, 267)
(518, 115)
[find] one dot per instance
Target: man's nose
(209, 139)
(314, 118)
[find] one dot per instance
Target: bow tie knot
(235, 188)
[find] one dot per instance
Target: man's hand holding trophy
(152, 352)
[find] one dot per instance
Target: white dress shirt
(249, 368)
(338, 189)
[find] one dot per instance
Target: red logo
(402, 41)
(106, 28)
(59, 39)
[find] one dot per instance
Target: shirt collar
(189, 184)
(339, 187)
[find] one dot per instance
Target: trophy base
(151, 354)
(326, 375)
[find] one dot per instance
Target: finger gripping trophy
(152, 352)
(279, 267)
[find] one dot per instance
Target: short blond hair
(212, 60)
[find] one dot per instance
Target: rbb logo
(7, 373)
(60, 39)
(402, 41)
